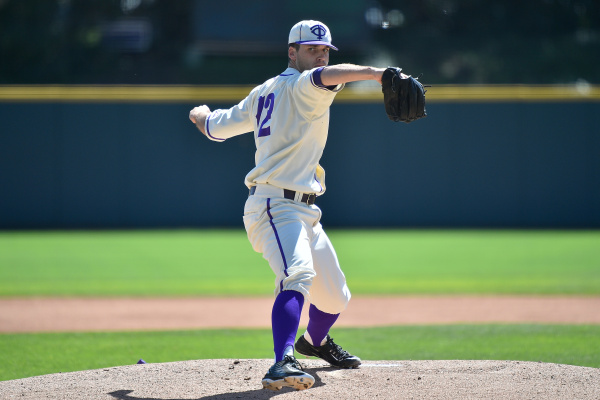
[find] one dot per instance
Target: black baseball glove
(404, 98)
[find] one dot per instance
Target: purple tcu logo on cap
(319, 31)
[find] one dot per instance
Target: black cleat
(287, 372)
(330, 352)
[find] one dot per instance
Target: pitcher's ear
(292, 52)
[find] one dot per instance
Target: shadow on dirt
(257, 394)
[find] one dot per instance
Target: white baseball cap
(311, 32)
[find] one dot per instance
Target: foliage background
(237, 42)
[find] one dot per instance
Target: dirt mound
(240, 379)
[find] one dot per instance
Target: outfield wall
(128, 157)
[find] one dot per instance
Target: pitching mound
(240, 379)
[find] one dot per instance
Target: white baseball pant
(290, 237)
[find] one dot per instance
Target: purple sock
(285, 319)
(319, 323)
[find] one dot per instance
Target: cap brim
(318, 42)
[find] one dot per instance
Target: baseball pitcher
(289, 115)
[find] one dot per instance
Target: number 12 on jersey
(264, 103)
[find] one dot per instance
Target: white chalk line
(381, 365)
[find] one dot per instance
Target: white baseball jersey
(289, 115)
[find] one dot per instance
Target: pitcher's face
(310, 56)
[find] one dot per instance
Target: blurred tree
(496, 41)
(162, 42)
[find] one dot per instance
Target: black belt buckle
(309, 199)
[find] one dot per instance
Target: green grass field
(38, 354)
(221, 262)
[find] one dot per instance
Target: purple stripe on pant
(278, 241)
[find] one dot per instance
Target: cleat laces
(336, 350)
(293, 362)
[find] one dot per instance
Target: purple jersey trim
(316, 77)
(321, 186)
(208, 130)
(278, 241)
(316, 80)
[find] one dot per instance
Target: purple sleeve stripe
(208, 130)
(316, 77)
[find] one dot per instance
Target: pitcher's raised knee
(332, 302)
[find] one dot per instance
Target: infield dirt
(240, 379)
(92, 314)
(225, 379)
